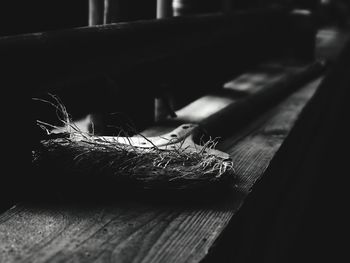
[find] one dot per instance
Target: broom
(172, 161)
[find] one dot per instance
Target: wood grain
(141, 230)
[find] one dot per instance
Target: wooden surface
(243, 97)
(148, 230)
(153, 50)
(301, 200)
(130, 229)
(185, 56)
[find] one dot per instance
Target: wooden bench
(256, 105)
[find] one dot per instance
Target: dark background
(17, 17)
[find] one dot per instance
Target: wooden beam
(112, 11)
(300, 202)
(163, 102)
(164, 8)
(207, 42)
(96, 11)
(131, 229)
(260, 100)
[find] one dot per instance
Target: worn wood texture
(301, 200)
(148, 230)
(128, 59)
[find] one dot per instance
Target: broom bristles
(124, 163)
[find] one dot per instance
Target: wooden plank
(244, 97)
(307, 203)
(300, 201)
(250, 106)
(148, 231)
(152, 50)
(267, 77)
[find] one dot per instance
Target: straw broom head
(125, 164)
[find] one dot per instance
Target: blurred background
(17, 17)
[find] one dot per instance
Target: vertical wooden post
(164, 8)
(96, 12)
(112, 11)
(181, 7)
(162, 103)
(96, 17)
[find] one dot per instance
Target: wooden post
(96, 10)
(164, 8)
(163, 102)
(181, 7)
(96, 17)
(112, 11)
